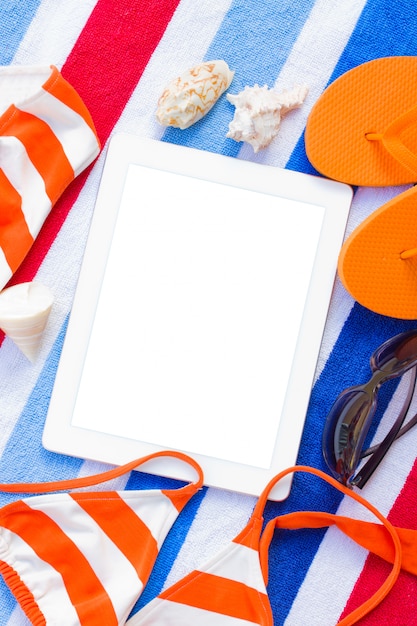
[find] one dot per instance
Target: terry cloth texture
(119, 55)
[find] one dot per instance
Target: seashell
(24, 311)
(259, 112)
(190, 96)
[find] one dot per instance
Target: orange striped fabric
(231, 589)
(47, 138)
(83, 558)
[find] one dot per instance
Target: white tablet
(198, 314)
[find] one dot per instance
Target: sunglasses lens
(345, 430)
(396, 355)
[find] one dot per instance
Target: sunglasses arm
(378, 452)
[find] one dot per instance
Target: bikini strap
(370, 535)
(387, 535)
(95, 479)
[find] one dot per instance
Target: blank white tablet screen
(198, 316)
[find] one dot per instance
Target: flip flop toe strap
(392, 142)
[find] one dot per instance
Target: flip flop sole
(366, 99)
(370, 263)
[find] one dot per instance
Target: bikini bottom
(84, 557)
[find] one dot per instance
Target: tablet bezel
(60, 435)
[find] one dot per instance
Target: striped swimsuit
(231, 589)
(47, 138)
(83, 558)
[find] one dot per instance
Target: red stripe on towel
(400, 606)
(104, 67)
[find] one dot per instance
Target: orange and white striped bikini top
(83, 558)
(231, 589)
(47, 138)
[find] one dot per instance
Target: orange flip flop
(363, 128)
(378, 262)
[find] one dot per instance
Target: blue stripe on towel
(375, 36)
(13, 29)
(348, 364)
(8, 603)
(261, 26)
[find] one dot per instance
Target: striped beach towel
(119, 56)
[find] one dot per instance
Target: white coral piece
(190, 96)
(259, 112)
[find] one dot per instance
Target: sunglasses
(350, 417)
